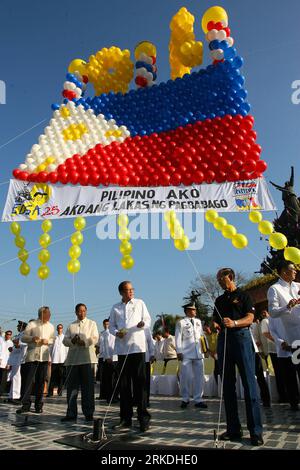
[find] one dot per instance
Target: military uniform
(187, 336)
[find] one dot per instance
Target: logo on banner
(246, 195)
(30, 202)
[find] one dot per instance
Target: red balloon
(53, 177)
(74, 177)
(83, 179)
(42, 177)
(63, 177)
(175, 179)
(32, 177)
(198, 177)
(261, 166)
(210, 176)
(16, 173)
(94, 179)
(250, 165)
(23, 175)
(220, 176)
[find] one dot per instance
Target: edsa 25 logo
(296, 94)
(296, 352)
(2, 92)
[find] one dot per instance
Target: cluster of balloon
(110, 70)
(277, 240)
(127, 262)
(181, 241)
(146, 70)
(20, 242)
(238, 240)
(215, 26)
(184, 51)
(73, 265)
(44, 254)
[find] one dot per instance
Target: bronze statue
(290, 199)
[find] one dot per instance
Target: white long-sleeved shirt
(149, 345)
(107, 346)
(264, 328)
(279, 295)
(5, 353)
(43, 331)
(87, 331)
(277, 330)
(187, 337)
(127, 316)
(59, 351)
(18, 354)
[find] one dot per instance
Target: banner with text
(38, 201)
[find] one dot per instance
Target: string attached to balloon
(127, 261)
(20, 242)
(277, 240)
(238, 240)
(181, 241)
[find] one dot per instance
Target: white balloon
(230, 41)
(221, 35)
(217, 54)
(211, 35)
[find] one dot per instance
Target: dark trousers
(133, 375)
(24, 369)
(262, 383)
(148, 381)
(279, 377)
(240, 353)
(35, 372)
(109, 381)
(57, 378)
(82, 377)
(290, 379)
(3, 380)
(216, 370)
(99, 376)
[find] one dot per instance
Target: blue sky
(37, 42)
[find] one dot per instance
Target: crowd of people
(120, 357)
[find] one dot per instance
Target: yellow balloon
(20, 241)
(239, 241)
(124, 234)
(44, 256)
(215, 14)
(255, 217)
(46, 225)
(77, 65)
(229, 231)
(127, 262)
(23, 255)
(123, 220)
(177, 232)
(145, 47)
(265, 227)
(43, 272)
(278, 240)
(125, 247)
(79, 223)
(170, 216)
(45, 240)
(292, 254)
(76, 238)
(74, 251)
(73, 266)
(182, 244)
(24, 269)
(15, 228)
(220, 223)
(211, 216)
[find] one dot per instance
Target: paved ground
(170, 426)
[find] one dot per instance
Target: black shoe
(226, 436)
(123, 425)
(66, 419)
(257, 440)
(184, 404)
(89, 418)
(144, 425)
(23, 409)
(201, 405)
(38, 410)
